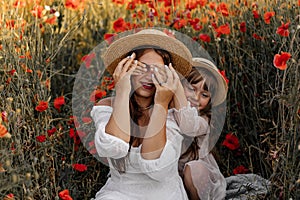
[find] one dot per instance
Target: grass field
(43, 43)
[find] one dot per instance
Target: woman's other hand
(166, 82)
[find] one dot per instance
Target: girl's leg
(198, 180)
(189, 185)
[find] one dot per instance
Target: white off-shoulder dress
(206, 175)
(144, 179)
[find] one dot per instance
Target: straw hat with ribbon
(181, 57)
(221, 86)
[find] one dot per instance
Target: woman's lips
(148, 86)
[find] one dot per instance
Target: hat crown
(152, 32)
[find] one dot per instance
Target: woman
(136, 130)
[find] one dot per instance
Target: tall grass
(40, 58)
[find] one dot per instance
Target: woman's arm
(155, 137)
(119, 122)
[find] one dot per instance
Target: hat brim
(180, 55)
(222, 87)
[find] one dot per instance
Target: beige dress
(206, 175)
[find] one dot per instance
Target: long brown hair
(134, 108)
(195, 76)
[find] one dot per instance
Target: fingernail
(166, 66)
(135, 61)
(128, 56)
(132, 55)
(155, 68)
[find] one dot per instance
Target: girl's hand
(166, 85)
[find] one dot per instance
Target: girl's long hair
(135, 110)
(195, 76)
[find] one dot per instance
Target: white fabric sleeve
(107, 145)
(166, 166)
(189, 122)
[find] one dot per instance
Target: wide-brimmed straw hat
(221, 86)
(181, 57)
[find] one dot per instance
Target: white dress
(206, 175)
(144, 179)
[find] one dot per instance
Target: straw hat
(222, 86)
(181, 57)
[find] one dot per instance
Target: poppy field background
(255, 45)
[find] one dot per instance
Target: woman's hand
(166, 82)
(123, 72)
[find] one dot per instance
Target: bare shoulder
(105, 102)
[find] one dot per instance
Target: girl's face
(143, 84)
(197, 95)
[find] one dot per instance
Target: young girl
(197, 166)
(135, 129)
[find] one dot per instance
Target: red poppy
(19, 4)
(231, 141)
(64, 195)
(280, 60)
(87, 120)
(268, 16)
(71, 133)
(12, 72)
(10, 196)
(254, 35)
(37, 11)
(131, 5)
(180, 24)
(212, 5)
(240, 170)
(190, 5)
(72, 4)
(10, 24)
(79, 167)
(255, 14)
(243, 27)
(81, 134)
(51, 131)
(51, 20)
(97, 94)
(92, 143)
(166, 31)
(283, 30)
(93, 151)
(58, 102)
(195, 24)
(223, 29)
(222, 72)
(223, 9)
(41, 138)
(120, 25)
(3, 131)
(42, 106)
(202, 3)
(87, 59)
(204, 37)
(4, 116)
(109, 37)
(171, 3)
(119, 1)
